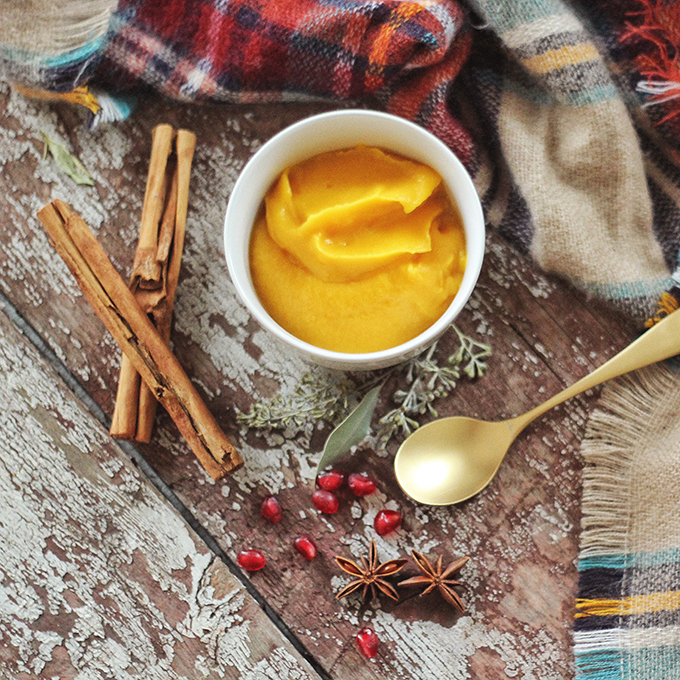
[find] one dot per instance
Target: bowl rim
(240, 271)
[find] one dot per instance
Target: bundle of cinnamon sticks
(139, 315)
(155, 272)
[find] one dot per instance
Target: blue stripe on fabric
(614, 561)
(628, 290)
(629, 560)
(662, 661)
(57, 60)
(535, 95)
(76, 55)
(597, 95)
(600, 665)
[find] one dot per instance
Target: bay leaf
(351, 431)
(67, 162)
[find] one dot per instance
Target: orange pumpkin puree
(357, 250)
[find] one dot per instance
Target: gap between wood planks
(137, 459)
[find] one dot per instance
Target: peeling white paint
(101, 571)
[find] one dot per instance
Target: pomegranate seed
(271, 509)
(325, 501)
(305, 546)
(331, 481)
(251, 560)
(368, 642)
(387, 521)
(361, 485)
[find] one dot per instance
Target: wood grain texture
(521, 533)
(99, 576)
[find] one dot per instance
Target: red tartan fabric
(405, 54)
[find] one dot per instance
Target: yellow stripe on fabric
(81, 95)
(563, 56)
(638, 604)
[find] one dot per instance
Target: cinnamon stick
(146, 271)
(124, 419)
(170, 247)
(141, 342)
(159, 308)
(156, 269)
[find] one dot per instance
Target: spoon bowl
(451, 459)
(462, 457)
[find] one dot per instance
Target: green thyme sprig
(317, 398)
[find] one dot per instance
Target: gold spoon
(451, 459)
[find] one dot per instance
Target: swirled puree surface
(357, 250)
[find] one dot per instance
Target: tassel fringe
(658, 24)
(627, 622)
(621, 423)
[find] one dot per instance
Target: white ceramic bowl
(328, 132)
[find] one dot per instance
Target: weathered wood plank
(521, 533)
(99, 576)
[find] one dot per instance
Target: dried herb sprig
(473, 354)
(428, 381)
(316, 398)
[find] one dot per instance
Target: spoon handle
(660, 342)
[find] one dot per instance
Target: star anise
(370, 575)
(434, 577)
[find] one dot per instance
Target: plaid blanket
(583, 161)
(567, 114)
(401, 54)
(628, 609)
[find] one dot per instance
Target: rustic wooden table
(119, 560)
